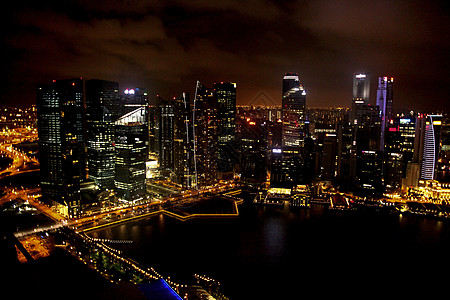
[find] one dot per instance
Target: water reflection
(274, 236)
(161, 222)
(267, 251)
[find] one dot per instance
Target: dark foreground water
(280, 252)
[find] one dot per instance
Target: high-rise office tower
(101, 99)
(366, 159)
(364, 117)
(413, 174)
(345, 155)
(361, 88)
(293, 111)
(130, 158)
(60, 108)
(369, 175)
(443, 166)
(275, 134)
(366, 146)
(431, 146)
(361, 93)
(225, 96)
(393, 172)
(131, 144)
(133, 98)
(205, 136)
(183, 141)
(286, 167)
(329, 154)
(399, 149)
(166, 137)
(253, 150)
(384, 103)
(153, 128)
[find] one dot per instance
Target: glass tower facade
(205, 136)
(60, 108)
(131, 145)
(293, 111)
(361, 93)
(166, 137)
(101, 99)
(431, 146)
(225, 97)
(131, 152)
(384, 103)
(183, 141)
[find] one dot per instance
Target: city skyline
(202, 148)
(122, 161)
(168, 47)
(207, 141)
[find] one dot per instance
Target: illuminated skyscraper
(286, 167)
(225, 96)
(166, 137)
(214, 132)
(365, 135)
(130, 155)
(369, 166)
(384, 103)
(101, 99)
(431, 146)
(398, 150)
(361, 93)
(60, 108)
(366, 159)
(345, 150)
(133, 98)
(329, 154)
(293, 111)
(253, 150)
(183, 142)
(131, 144)
(361, 88)
(443, 167)
(205, 136)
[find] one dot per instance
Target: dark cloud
(168, 45)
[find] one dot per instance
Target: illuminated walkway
(119, 267)
(173, 215)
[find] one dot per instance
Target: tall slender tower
(225, 96)
(361, 93)
(60, 112)
(431, 146)
(361, 88)
(183, 141)
(384, 103)
(443, 166)
(101, 100)
(293, 111)
(205, 136)
(166, 137)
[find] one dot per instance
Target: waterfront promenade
(229, 211)
(111, 263)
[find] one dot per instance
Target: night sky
(167, 45)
